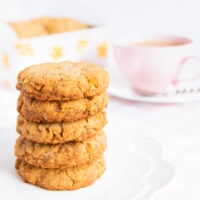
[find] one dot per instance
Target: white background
(171, 14)
(138, 15)
(122, 16)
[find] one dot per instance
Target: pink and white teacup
(152, 64)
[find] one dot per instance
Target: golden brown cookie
(60, 111)
(27, 29)
(61, 132)
(63, 155)
(62, 179)
(59, 25)
(62, 81)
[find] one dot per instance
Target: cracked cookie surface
(54, 133)
(60, 111)
(62, 81)
(62, 179)
(63, 155)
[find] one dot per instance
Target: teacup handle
(182, 63)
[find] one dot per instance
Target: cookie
(59, 25)
(60, 111)
(63, 155)
(55, 133)
(45, 26)
(27, 29)
(62, 81)
(62, 179)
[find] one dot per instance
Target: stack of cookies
(60, 122)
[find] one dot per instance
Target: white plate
(162, 172)
(119, 87)
(135, 165)
(134, 170)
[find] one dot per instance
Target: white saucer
(119, 87)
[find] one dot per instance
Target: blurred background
(172, 16)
